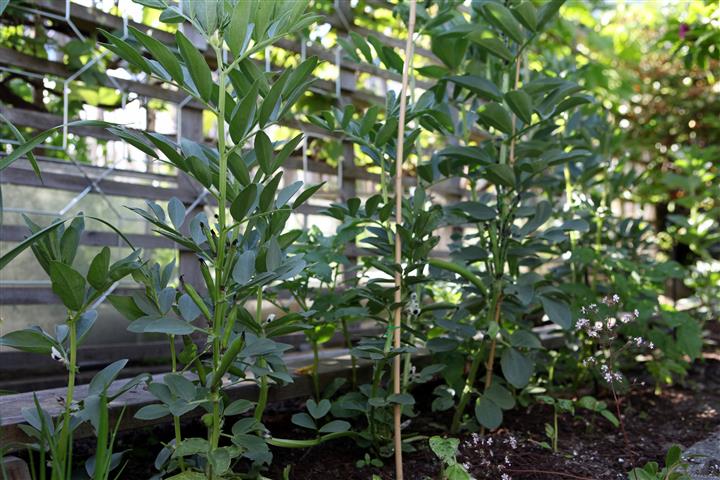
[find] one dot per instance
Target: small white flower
(58, 357)
(505, 476)
(611, 322)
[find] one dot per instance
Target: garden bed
(589, 446)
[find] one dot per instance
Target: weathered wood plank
(334, 363)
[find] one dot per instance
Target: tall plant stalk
(397, 388)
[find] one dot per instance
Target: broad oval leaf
(516, 367)
(68, 284)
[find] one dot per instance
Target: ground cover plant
(546, 303)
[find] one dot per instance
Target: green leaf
(125, 51)
(525, 339)
(480, 86)
(18, 249)
(386, 131)
(172, 15)
(161, 53)
(501, 174)
(21, 140)
(496, 116)
(521, 104)
(102, 380)
(188, 475)
(318, 410)
(401, 398)
(239, 30)
(286, 193)
(516, 367)
(336, 426)
(526, 13)
(689, 338)
(152, 412)
(303, 420)
(557, 311)
(264, 153)
(244, 202)
(487, 413)
(444, 448)
(126, 306)
(500, 396)
(220, 460)
(32, 340)
(477, 211)
(68, 284)
(610, 417)
(244, 115)
(176, 212)
(271, 102)
(306, 194)
(244, 268)
(198, 67)
(98, 272)
(274, 256)
(267, 196)
(239, 407)
(502, 18)
(494, 47)
(27, 147)
(456, 472)
(547, 12)
(180, 386)
(169, 326)
(673, 457)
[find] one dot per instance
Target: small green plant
(56, 251)
(675, 468)
(563, 405)
(446, 449)
(368, 461)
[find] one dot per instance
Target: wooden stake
(398, 242)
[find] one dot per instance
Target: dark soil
(590, 448)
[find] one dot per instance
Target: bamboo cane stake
(398, 242)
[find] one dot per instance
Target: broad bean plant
(517, 307)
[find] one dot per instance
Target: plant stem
(219, 293)
(292, 443)
(65, 450)
(348, 344)
(315, 369)
(555, 430)
(176, 419)
(264, 387)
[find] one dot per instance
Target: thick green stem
(264, 386)
(460, 270)
(467, 391)
(65, 450)
(219, 295)
(493, 314)
(555, 431)
(316, 369)
(291, 443)
(176, 419)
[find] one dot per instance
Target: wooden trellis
(86, 179)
